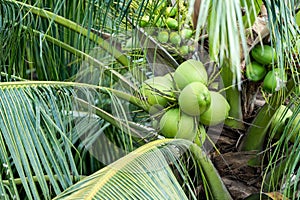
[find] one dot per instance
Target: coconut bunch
(181, 103)
(259, 68)
(169, 28)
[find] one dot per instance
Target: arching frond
(46, 130)
(147, 174)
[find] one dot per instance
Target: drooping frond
(147, 174)
(46, 130)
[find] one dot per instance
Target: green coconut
(175, 38)
(187, 127)
(144, 21)
(264, 54)
(217, 112)
(157, 90)
(163, 36)
(171, 11)
(172, 23)
(186, 33)
(255, 71)
(175, 124)
(274, 80)
(194, 99)
(190, 71)
(184, 50)
(168, 123)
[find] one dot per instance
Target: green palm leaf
(146, 174)
(34, 143)
(47, 128)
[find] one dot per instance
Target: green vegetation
(149, 99)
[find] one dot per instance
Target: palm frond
(41, 125)
(34, 142)
(147, 173)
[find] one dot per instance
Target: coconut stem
(233, 97)
(219, 190)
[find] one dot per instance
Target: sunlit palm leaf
(34, 140)
(145, 174)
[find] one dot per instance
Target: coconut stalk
(216, 185)
(233, 96)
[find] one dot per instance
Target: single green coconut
(172, 23)
(163, 36)
(168, 123)
(144, 21)
(264, 54)
(186, 33)
(190, 71)
(175, 38)
(157, 90)
(171, 11)
(187, 127)
(175, 124)
(274, 80)
(255, 71)
(194, 99)
(217, 112)
(184, 50)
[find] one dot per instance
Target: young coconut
(172, 23)
(171, 11)
(194, 99)
(157, 90)
(184, 50)
(217, 112)
(163, 36)
(186, 33)
(175, 124)
(144, 21)
(187, 127)
(255, 71)
(175, 38)
(264, 54)
(274, 80)
(190, 71)
(168, 123)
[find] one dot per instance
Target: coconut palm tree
(74, 124)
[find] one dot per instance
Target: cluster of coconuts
(170, 28)
(182, 103)
(259, 69)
